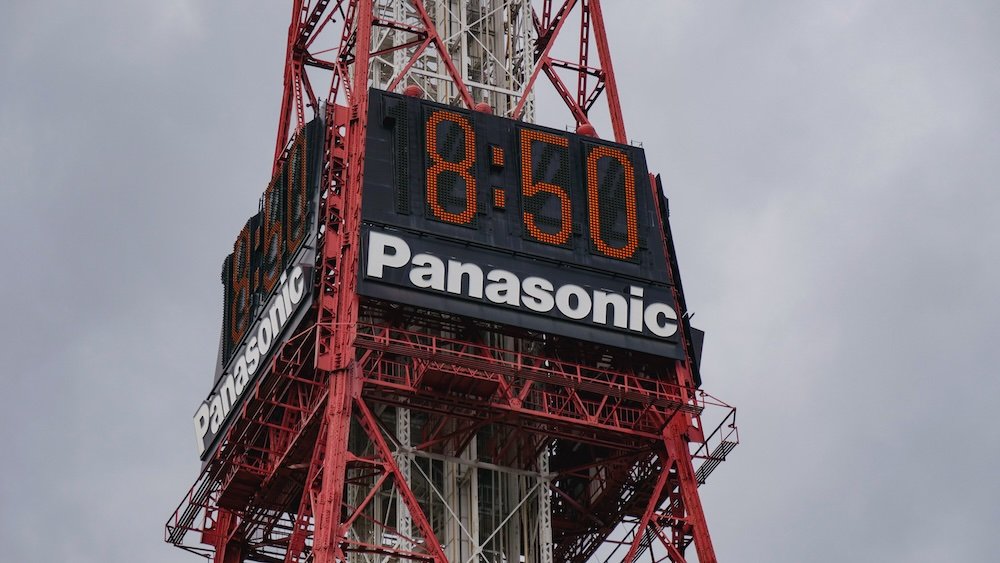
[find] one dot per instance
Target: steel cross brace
(684, 514)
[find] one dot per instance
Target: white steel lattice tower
(488, 513)
(490, 41)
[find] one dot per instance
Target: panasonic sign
(280, 312)
(495, 286)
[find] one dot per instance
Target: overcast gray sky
(832, 169)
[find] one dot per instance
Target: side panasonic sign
(574, 302)
(266, 335)
(267, 283)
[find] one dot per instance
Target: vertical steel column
(610, 85)
(544, 509)
(677, 450)
(228, 549)
(404, 459)
(341, 305)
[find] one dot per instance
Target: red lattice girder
(314, 20)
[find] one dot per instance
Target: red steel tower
(359, 416)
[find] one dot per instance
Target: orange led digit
(239, 314)
(594, 204)
(439, 166)
(273, 235)
(296, 209)
(530, 188)
(499, 198)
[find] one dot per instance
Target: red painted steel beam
(581, 79)
(546, 39)
(677, 449)
(290, 85)
(604, 52)
(370, 425)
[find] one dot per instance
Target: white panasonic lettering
(217, 414)
(378, 256)
(242, 376)
(537, 294)
(619, 309)
(635, 308)
(264, 335)
(278, 313)
(298, 286)
(228, 393)
(472, 272)
(252, 357)
(286, 300)
(213, 412)
(201, 425)
(565, 297)
(624, 310)
(427, 272)
(506, 290)
(652, 318)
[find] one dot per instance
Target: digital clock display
(271, 239)
(470, 188)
